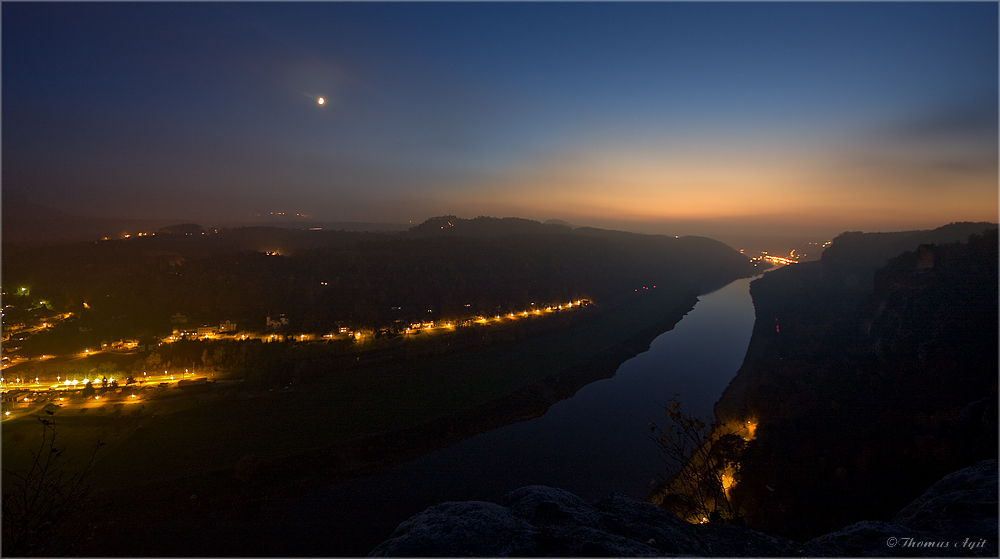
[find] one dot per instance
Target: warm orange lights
(727, 482)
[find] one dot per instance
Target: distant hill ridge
(25, 222)
(34, 224)
(353, 226)
(484, 226)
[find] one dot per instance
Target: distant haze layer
(676, 118)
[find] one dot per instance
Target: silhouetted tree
(37, 503)
(704, 466)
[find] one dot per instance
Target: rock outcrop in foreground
(955, 517)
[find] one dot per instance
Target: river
(592, 444)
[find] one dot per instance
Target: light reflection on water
(592, 444)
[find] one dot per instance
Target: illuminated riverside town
(24, 396)
(806, 253)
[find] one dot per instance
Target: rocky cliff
(869, 376)
(955, 517)
(807, 314)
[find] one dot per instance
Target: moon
(321, 100)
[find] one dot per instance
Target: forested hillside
(321, 279)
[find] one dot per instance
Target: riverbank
(588, 352)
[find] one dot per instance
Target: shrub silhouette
(37, 503)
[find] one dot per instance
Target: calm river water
(591, 444)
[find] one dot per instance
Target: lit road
(33, 397)
(146, 379)
(780, 260)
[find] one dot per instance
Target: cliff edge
(955, 517)
(869, 375)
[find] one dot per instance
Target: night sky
(660, 117)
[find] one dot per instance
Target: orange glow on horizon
(767, 184)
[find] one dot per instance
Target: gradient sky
(667, 117)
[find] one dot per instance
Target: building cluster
(182, 331)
